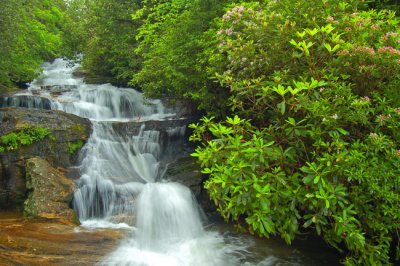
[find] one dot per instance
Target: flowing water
(122, 186)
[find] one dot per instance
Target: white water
(170, 233)
(118, 187)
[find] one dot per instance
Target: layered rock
(66, 130)
(50, 192)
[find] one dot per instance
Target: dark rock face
(50, 192)
(187, 172)
(133, 128)
(66, 129)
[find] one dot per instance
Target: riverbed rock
(66, 130)
(44, 242)
(50, 192)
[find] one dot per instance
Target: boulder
(50, 192)
(66, 130)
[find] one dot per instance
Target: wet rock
(66, 129)
(56, 90)
(50, 192)
(36, 241)
(187, 172)
(132, 128)
(123, 218)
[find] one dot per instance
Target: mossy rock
(50, 192)
(66, 129)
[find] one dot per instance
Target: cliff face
(59, 150)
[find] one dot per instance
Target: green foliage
(172, 38)
(13, 141)
(29, 34)
(74, 28)
(106, 35)
(313, 143)
(73, 147)
(385, 4)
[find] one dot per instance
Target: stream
(123, 185)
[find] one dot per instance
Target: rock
(187, 172)
(56, 243)
(132, 128)
(123, 218)
(66, 129)
(50, 192)
(56, 90)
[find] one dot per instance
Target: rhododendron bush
(313, 142)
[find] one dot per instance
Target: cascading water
(121, 176)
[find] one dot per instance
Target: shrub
(13, 140)
(313, 141)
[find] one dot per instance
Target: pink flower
(364, 49)
(343, 52)
(373, 135)
(388, 35)
(366, 99)
(330, 19)
(358, 24)
(375, 27)
(397, 153)
(388, 49)
(381, 117)
(229, 31)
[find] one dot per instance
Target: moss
(75, 219)
(73, 147)
(30, 208)
(79, 128)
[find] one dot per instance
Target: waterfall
(121, 183)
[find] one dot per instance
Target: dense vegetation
(26, 136)
(301, 98)
(30, 33)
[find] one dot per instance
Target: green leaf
(328, 47)
(282, 107)
(342, 131)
